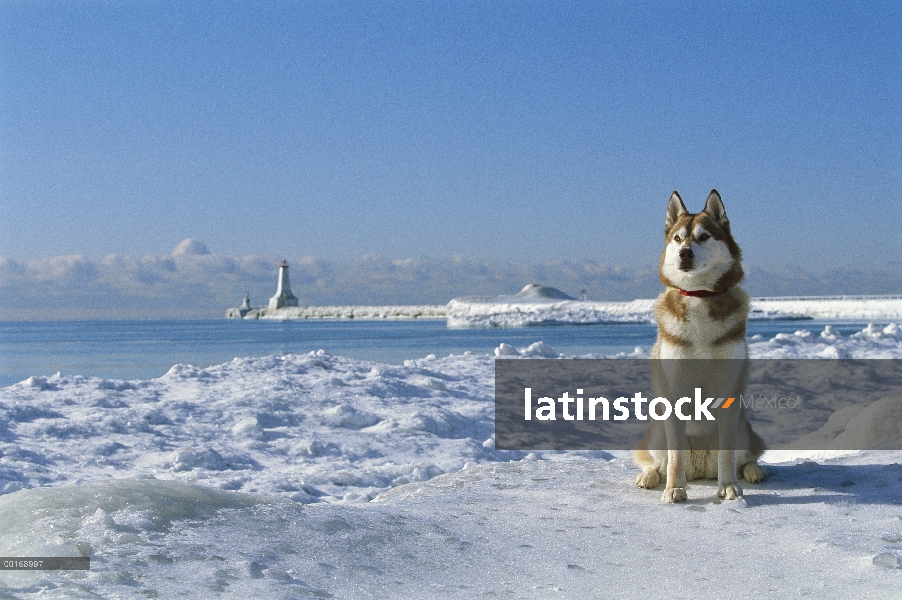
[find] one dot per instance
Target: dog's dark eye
(677, 238)
(704, 237)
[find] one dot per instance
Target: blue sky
(513, 136)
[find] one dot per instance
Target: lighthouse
(283, 296)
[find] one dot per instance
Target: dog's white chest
(692, 333)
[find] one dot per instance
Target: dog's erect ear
(714, 207)
(675, 208)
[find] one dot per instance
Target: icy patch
(888, 560)
(90, 519)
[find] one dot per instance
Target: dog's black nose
(686, 254)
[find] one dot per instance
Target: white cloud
(195, 282)
(190, 247)
(62, 270)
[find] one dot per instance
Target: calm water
(147, 349)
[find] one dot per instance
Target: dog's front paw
(753, 473)
(729, 491)
(674, 495)
(648, 479)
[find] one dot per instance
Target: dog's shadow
(827, 484)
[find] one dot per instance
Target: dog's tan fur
(691, 327)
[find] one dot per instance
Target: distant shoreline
(515, 311)
(401, 312)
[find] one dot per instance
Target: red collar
(702, 293)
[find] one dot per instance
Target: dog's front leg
(675, 488)
(727, 481)
(727, 484)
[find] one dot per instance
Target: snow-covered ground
(830, 307)
(519, 311)
(322, 476)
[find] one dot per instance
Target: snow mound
(874, 341)
(534, 306)
(543, 292)
(878, 424)
(534, 350)
(516, 311)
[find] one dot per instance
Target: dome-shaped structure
(544, 292)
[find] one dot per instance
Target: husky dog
(702, 322)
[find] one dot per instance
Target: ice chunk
(345, 415)
(506, 350)
(248, 428)
(540, 349)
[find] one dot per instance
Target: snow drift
(320, 476)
